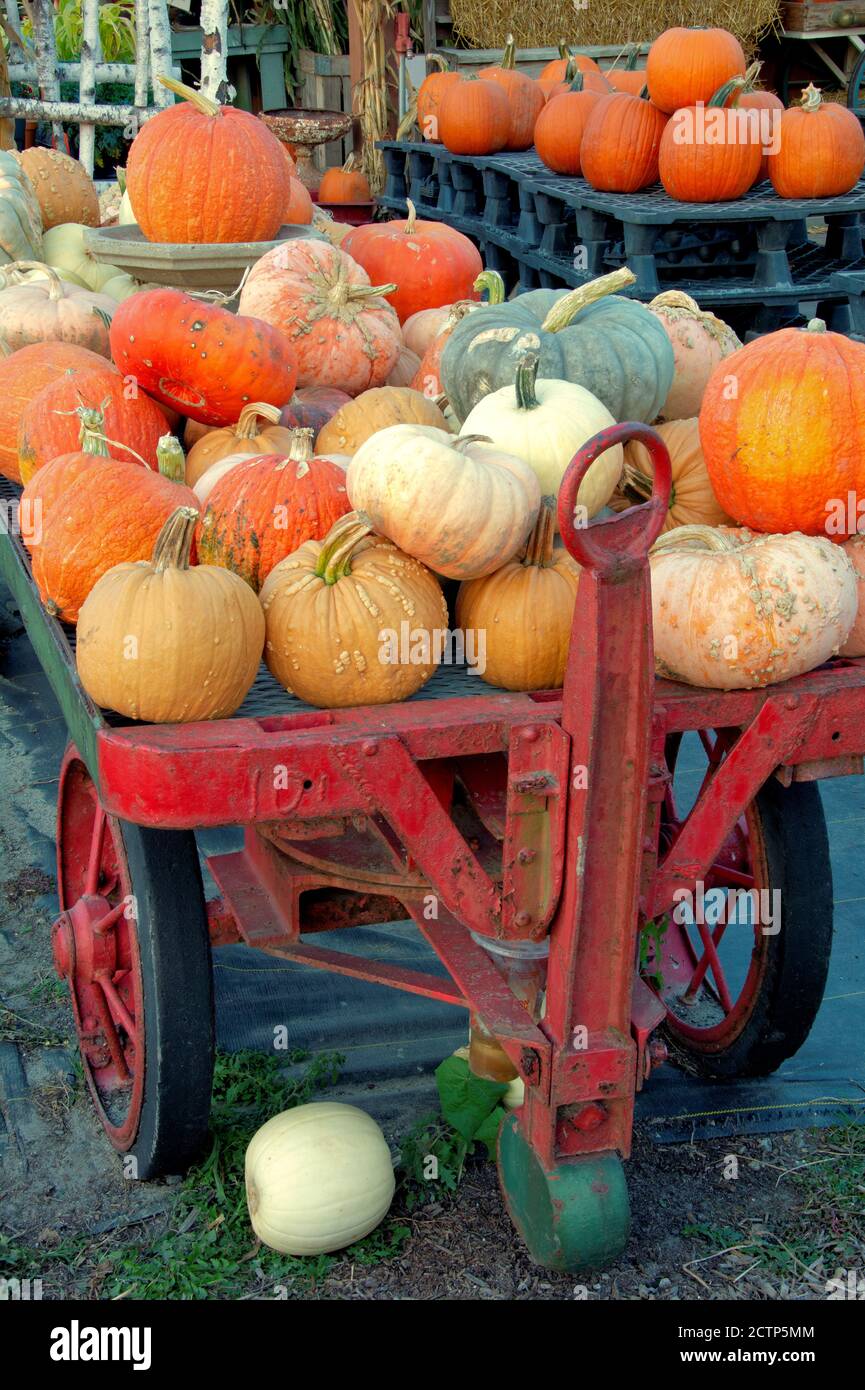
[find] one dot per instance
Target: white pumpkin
(404, 368)
(126, 217)
(121, 286)
(318, 1178)
(700, 341)
(545, 423)
(733, 610)
(65, 248)
(463, 507)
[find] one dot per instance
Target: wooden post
(91, 54)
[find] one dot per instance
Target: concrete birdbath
(301, 131)
(185, 266)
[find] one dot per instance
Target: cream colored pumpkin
(403, 370)
(854, 549)
(48, 309)
(545, 423)
(66, 249)
(734, 610)
(318, 1178)
(334, 610)
(525, 612)
(420, 328)
(163, 642)
(121, 286)
(700, 341)
(463, 507)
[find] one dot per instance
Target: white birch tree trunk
(160, 50)
(214, 50)
(48, 71)
(91, 54)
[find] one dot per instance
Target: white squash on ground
(700, 341)
(545, 423)
(318, 1178)
(733, 609)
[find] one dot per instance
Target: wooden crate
(325, 85)
(813, 16)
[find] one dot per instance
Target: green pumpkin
(20, 218)
(591, 336)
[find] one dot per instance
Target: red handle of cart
(613, 544)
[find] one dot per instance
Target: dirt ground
(775, 1225)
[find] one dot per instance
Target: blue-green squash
(591, 336)
(20, 218)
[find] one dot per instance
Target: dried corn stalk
(370, 96)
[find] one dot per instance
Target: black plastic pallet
(759, 243)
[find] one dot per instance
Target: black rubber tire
(177, 983)
(793, 827)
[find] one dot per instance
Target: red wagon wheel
(131, 942)
(741, 992)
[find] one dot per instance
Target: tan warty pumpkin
(700, 341)
(855, 552)
(462, 506)
(375, 410)
(163, 642)
(248, 436)
(523, 613)
(692, 499)
(65, 190)
(351, 620)
(733, 609)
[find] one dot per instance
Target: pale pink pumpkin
(855, 550)
(419, 329)
(700, 341)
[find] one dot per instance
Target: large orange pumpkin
(820, 151)
(429, 97)
(131, 504)
(343, 332)
(742, 94)
(709, 154)
(560, 127)
(621, 143)
(629, 78)
(23, 374)
(687, 66)
(201, 172)
(785, 449)
(474, 117)
(298, 205)
(557, 68)
(50, 424)
(525, 98)
(199, 357)
(432, 264)
(262, 510)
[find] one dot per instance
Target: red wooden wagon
(534, 840)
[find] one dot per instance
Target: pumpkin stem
(343, 538)
(121, 179)
(247, 420)
(440, 61)
(675, 299)
(492, 282)
(104, 314)
(719, 539)
(565, 311)
(577, 81)
(411, 219)
(170, 458)
(644, 93)
(206, 105)
(16, 270)
(539, 549)
(464, 440)
(174, 541)
(736, 86)
(812, 99)
(816, 326)
(564, 51)
(300, 450)
(92, 439)
(524, 381)
(509, 57)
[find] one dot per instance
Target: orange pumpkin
(742, 94)
(629, 78)
(708, 154)
(49, 482)
(525, 98)
(49, 425)
(250, 435)
(474, 117)
(298, 207)
(132, 504)
(23, 374)
(201, 172)
(200, 357)
(432, 264)
(560, 128)
(820, 151)
(348, 184)
(588, 82)
(263, 509)
(785, 450)
(687, 66)
(343, 332)
(621, 143)
(430, 94)
(556, 69)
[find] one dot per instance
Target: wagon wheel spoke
(710, 960)
(109, 1028)
(94, 861)
(120, 1015)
